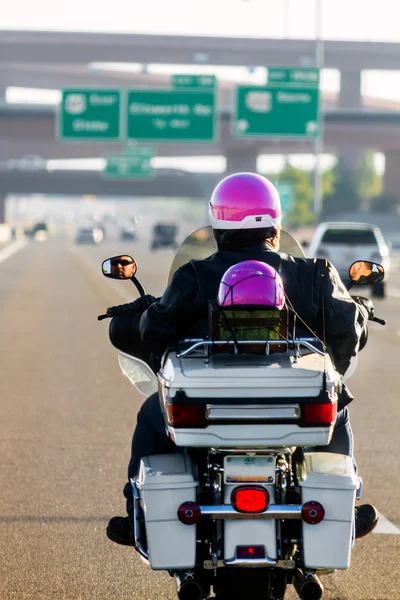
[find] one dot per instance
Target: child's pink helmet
(251, 282)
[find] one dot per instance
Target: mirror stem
(138, 286)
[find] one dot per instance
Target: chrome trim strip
(281, 564)
(252, 562)
(296, 343)
(275, 511)
(360, 487)
(249, 450)
(252, 411)
(138, 545)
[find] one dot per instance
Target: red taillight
(312, 512)
(320, 414)
(250, 552)
(189, 513)
(250, 499)
(188, 415)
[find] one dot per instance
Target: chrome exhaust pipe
(307, 585)
(189, 588)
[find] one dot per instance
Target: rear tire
(378, 290)
(250, 584)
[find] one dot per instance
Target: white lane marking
(12, 249)
(386, 527)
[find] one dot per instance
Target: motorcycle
(247, 507)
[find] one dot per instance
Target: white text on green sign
(176, 115)
(128, 165)
(89, 114)
(193, 81)
(276, 111)
(294, 76)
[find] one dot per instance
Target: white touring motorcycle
(246, 508)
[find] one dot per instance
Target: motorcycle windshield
(138, 373)
(201, 243)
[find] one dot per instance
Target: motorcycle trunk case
(243, 387)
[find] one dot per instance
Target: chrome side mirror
(363, 272)
(119, 267)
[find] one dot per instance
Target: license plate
(249, 469)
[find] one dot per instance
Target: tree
(301, 213)
(368, 182)
(344, 196)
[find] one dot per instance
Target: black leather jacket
(182, 310)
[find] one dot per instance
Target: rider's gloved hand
(142, 304)
(138, 306)
(367, 304)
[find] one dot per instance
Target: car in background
(30, 162)
(89, 235)
(344, 243)
(38, 230)
(164, 236)
(128, 232)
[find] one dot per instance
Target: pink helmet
(251, 282)
(245, 201)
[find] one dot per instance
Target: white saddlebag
(248, 400)
(165, 481)
(329, 479)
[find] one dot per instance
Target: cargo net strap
(241, 324)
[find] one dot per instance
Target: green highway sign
(135, 164)
(193, 81)
(89, 114)
(184, 115)
(276, 111)
(286, 195)
(294, 76)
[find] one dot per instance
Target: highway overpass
(62, 47)
(166, 183)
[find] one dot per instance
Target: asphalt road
(67, 415)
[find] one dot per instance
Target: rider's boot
(366, 518)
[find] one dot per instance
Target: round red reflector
(312, 512)
(189, 513)
(250, 499)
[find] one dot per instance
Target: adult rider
(122, 267)
(245, 215)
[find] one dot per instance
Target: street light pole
(286, 18)
(319, 139)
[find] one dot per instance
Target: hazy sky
(350, 19)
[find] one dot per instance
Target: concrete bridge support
(391, 179)
(350, 98)
(244, 160)
(2, 208)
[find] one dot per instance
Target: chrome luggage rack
(200, 348)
